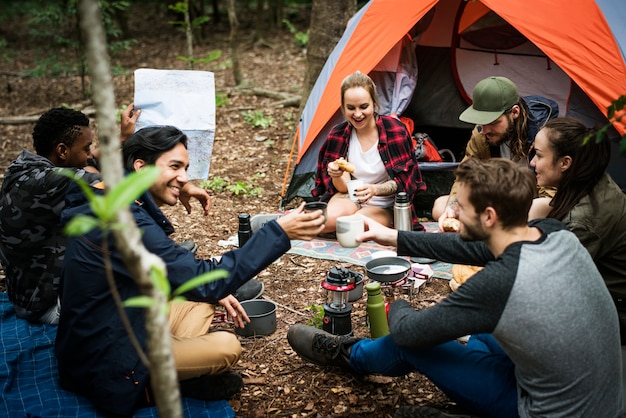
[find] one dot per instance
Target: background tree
(328, 22)
(140, 262)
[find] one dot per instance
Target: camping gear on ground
(340, 282)
(426, 56)
(387, 269)
(402, 213)
(262, 314)
(376, 311)
(244, 231)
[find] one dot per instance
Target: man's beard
(504, 138)
(473, 232)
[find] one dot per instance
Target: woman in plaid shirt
(381, 151)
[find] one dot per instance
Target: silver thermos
(402, 219)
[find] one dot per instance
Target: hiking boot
(320, 347)
(417, 411)
(251, 289)
(189, 245)
(212, 387)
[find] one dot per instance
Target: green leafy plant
(258, 119)
(301, 38)
(208, 58)
(317, 320)
(54, 25)
(244, 188)
(181, 7)
(215, 184)
(221, 99)
(218, 184)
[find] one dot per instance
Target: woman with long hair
(588, 201)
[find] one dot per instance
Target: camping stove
(402, 286)
(339, 282)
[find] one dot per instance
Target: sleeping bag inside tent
(425, 57)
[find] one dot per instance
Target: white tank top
(369, 167)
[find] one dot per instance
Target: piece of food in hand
(461, 273)
(345, 165)
(451, 225)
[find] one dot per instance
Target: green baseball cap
(491, 98)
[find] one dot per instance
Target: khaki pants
(196, 350)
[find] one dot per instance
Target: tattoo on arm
(388, 188)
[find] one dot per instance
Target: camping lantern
(339, 282)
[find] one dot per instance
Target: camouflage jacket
(32, 245)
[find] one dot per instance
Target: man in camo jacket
(32, 245)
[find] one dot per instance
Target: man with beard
(506, 125)
(544, 330)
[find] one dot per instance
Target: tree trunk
(139, 261)
(189, 34)
(233, 42)
(260, 26)
(328, 22)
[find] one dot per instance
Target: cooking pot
(262, 314)
(387, 269)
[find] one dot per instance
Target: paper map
(184, 99)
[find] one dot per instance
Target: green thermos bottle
(376, 311)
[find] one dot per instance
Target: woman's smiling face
(358, 107)
(547, 170)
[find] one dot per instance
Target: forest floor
(277, 381)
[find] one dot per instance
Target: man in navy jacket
(95, 356)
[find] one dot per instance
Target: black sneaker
(416, 411)
(189, 245)
(212, 387)
(251, 289)
(320, 347)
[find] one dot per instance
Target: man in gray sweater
(544, 329)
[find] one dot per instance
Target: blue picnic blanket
(29, 377)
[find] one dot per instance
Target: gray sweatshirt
(547, 306)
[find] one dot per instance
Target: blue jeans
(478, 376)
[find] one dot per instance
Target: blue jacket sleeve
(265, 246)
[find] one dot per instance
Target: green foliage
(53, 25)
(210, 57)
(317, 320)
(218, 184)
(258, 119)
(244, 188)
(301, 38)
(105, 207)
(221, 99)
(181, 7)
(4, 51)
(616, 113)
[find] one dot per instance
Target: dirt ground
(277, 381)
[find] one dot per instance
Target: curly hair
(59, 125)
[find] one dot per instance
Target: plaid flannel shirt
(396, 151)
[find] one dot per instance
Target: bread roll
(345, 165)
(451, 225)
(461, 273)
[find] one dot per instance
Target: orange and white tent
(570, 51)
